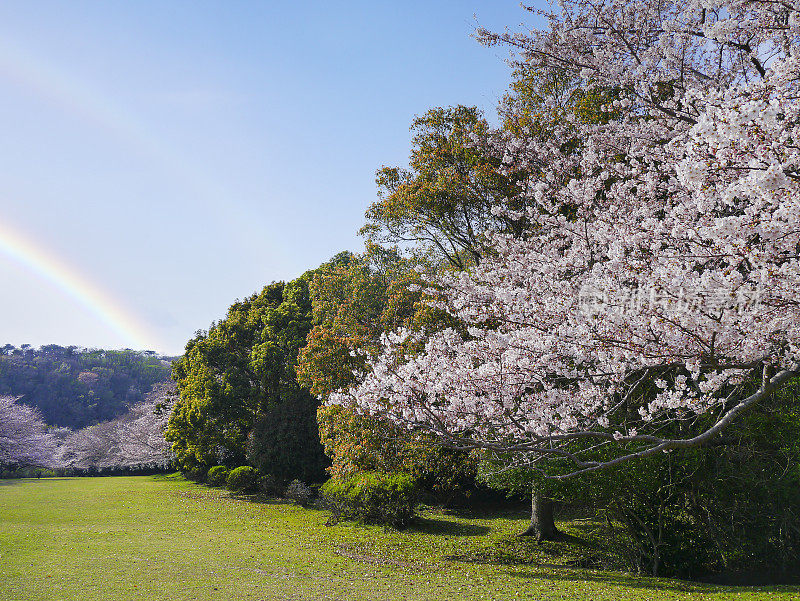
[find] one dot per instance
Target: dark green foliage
(195, 474)
(268, 485)
(218, 475)
(730, 508)
(285, 441)
(26, 472)
(75, 387)
(372, 497)
(243, 479)
(115, 470)
(237, 382)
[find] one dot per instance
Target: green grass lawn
(162, 538)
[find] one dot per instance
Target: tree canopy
(655, 283)
(442, 203)
(24, 438)
(239, 377)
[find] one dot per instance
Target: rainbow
(37, 259)
(20, 67)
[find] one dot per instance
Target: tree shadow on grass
(513, 512)
(260, 499)
(17, 481)
(639, 582)
(435, 526)
(485, 513)
(12, 481)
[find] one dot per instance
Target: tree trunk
(542, 526)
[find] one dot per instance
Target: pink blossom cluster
(692, 184)
(24, 437)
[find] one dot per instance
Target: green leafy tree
(285, 441)
(443, 203)
(237, 383)
(355, 300)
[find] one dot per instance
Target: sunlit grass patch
(162, 538)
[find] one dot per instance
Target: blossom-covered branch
(688, 186)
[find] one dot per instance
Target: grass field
(162, 538)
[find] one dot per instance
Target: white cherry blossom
(685, 224)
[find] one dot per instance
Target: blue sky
(180, 155)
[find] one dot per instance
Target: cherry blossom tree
(134, 439)
(141, 434)
(653, 299)
(90, 447)
(24, 438)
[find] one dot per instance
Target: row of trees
(132, 440)
(596, 299)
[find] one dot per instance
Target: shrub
(270, 486)
(373, 497)
(218, 475)
(243, 479)
(299, 492)
(196, 474)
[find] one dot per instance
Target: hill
(76, 387)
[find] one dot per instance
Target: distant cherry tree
(653, 297)
(24, 437)
(131, 440)
(141, 430)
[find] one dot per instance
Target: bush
(299, 492)
(218, 475)
(243, 479)
(195, 474)
(373, 497)
(270, 486)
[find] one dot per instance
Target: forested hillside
(75, 387)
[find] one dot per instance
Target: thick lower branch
(544, 446)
